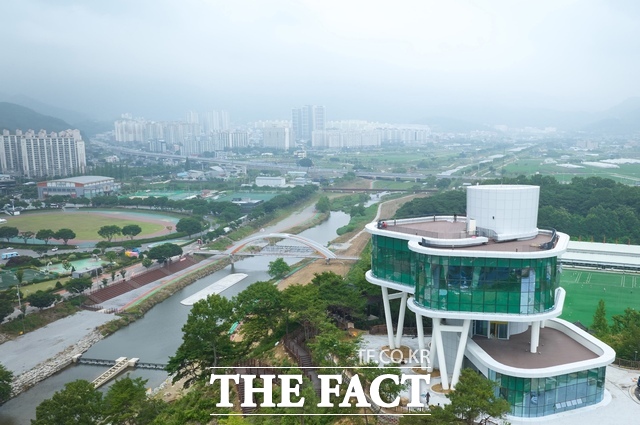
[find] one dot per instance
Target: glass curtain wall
(392, 260)
(531, 397)
(486, 285)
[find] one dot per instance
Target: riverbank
(353, 243)
(37, 355)
(135, 308)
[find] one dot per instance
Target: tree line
(9, 232)
(623, 335)
(590, 209)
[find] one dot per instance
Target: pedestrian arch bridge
(323, 251)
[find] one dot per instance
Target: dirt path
(358, 240)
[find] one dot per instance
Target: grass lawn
(42, 286)
(84, 224)
(586, 287)
(387, 184)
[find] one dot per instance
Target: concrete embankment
(54, 364)
(39, 354)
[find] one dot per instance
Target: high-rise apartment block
(277, 138)
(306, 120)
(215, 121)
(489, 282)
(42, 154)
(195, 125)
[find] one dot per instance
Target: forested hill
(15, 117)
(588, 209)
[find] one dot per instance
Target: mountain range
(16, 117)
(22, 112)
(623, 118)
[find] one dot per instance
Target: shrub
(20, 260)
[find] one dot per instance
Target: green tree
(41, 299)
(66, 265)
(302, 304)
(189, 226)
(39, 249)
(6, 305)
(205, 340)
(124, 401)
(79, 284)
(474, 399)
(102, 246)
(443, 183)
(113, 275)
(111, 256)
(8, 232)
(131, 230)
(79, 403)
(305, 162)
(26, 235)
(123, 273)
(625, 333)
(164, 251)
(65, 235)
(339, 296)
(600, 325)
(278, 268)
(331, 347)
(147, 262)
(323, 204)
(357, 210)
(259, 307)
(6, 376)
(109, 232)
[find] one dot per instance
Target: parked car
(54, 249)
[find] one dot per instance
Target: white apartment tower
(277, 138)
(42, 155)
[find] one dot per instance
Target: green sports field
(586, 287)
(85, 223)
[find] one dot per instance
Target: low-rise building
(78, 187)
(270, 181)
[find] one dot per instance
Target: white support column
(437, 336)
(432, 353)
(403, 309)
(462, 345)
(421, 347)
(387, 315)
(535, 336)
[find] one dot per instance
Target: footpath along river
(157, 336)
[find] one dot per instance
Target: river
(156, 336)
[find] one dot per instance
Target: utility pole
(22, 313)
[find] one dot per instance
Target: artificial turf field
(586, 287)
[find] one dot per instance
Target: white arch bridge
(310, 249)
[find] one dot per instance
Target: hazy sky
(384, 60)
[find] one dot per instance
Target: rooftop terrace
(440, 228)
(555, 349)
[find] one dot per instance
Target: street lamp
(635, 356)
